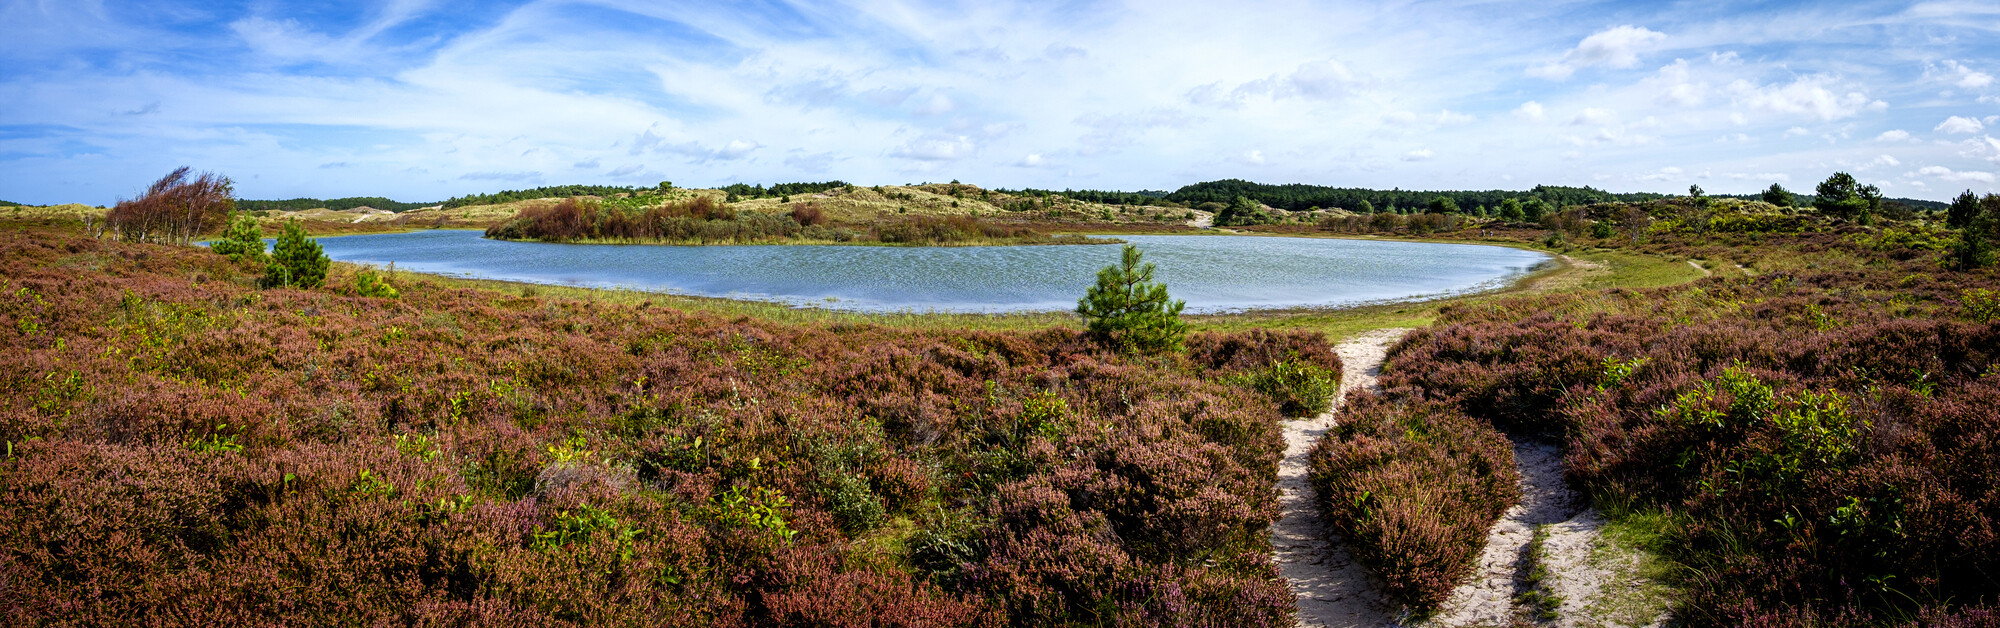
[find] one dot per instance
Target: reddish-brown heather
(184, 449)
(1413, 486)
(1821, 444)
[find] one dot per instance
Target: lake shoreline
(1217, 276)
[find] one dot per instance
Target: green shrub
(1126, 310)
(296, 260)
(242, 241)
(1301, 388)
(368, 284)
(1981, 304)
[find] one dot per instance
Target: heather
(1815, 435)
(1412, 486)
(703, 220)
(183, 447)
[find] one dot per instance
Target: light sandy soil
(1704, 271)
(1488, 598)
(1332, 589)
(1599, 583)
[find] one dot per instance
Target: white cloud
(1893, 135)
(626, 171)
(1031, 160)
(1676, 87)
(1616, 47)
(1959, 126)
(1960, 75)
(1810, 96)
(1797, 131)
(1946, 174)
(1421, 154)
(1530, 110)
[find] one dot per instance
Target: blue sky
(426, 99)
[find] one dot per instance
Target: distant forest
(1299, 196)
(740, 190)
(336, 204)
(553, 191)
(1112, 197)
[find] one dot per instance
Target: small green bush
(369, 284)
(1981, 304)
(1301, 388)
(296, 260)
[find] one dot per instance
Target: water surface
(1212, 273)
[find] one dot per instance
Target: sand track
(1594, 582)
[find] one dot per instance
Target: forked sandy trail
(1333, 590)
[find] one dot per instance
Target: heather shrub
(1808, 440)
(1412, 487)
(1296, 369)
(203, 452)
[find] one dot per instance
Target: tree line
(551, 191)
(1107, 197)
(335, 204)
(741, 190)
(1303, 197)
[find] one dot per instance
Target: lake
(1212, 273)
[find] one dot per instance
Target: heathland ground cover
(1802, 436)
(185, 447)
(1807, 438)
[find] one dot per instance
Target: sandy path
(1704, 271)
(1598, 584)
(1332, 588)
(1488, 598)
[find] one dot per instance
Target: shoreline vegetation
(701, 220)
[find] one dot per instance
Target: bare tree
(176, 209)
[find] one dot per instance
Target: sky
(421, 100)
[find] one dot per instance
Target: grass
(1538, 600)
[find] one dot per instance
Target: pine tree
(1963, 210)
(1129, 312)
(242, 241)
(296, 260)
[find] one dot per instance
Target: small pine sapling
(1128, 311)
